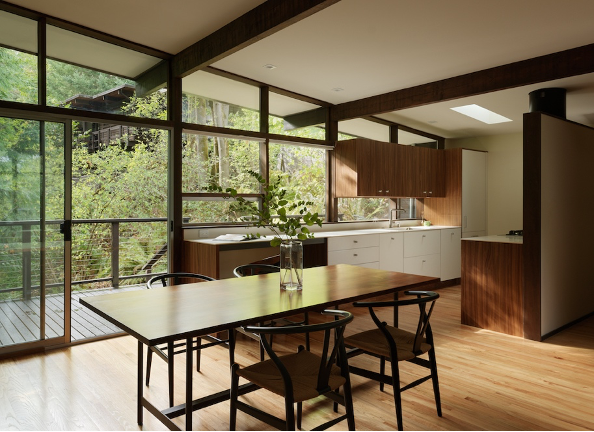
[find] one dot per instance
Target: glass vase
(291, 265)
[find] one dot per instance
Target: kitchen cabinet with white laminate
(451, 253)
(392, 252)
(354, 249)
(422, 253)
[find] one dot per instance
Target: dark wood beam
(575, 61)
(153, 79)
(305, 118)
(262, 21)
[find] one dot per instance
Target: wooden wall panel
(448, 210)
(492, 286)
(201, 258)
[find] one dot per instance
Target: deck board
(19, 319)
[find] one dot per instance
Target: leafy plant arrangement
(277, 213)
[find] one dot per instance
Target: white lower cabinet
(434, 252)
(424, 265)
(392, 252)
(451, 253)
(360, 250)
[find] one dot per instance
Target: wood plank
(17, 330)
(488, 381)
(256, 24)
(575, 61)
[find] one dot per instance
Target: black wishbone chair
(169, 350)
(256, 269)
(300, 376)
(395, 345)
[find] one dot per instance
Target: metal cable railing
(105, 253)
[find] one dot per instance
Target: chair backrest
(175, 279)
(328, 359)
(254, 269)
(425, 300)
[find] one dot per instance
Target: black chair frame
(337, 356)
(254, 269)
(169, 350)
(423, 334)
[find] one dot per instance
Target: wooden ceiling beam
(260, 22)
(563, 64)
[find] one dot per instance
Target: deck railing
(105, 253)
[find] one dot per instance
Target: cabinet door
(392, 252)
(451, 253)
(474, 191)
(354, 256)
(376, 165)
(426, 265)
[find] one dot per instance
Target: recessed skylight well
(481, 114)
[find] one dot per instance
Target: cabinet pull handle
(424, 235)
(387, 191)
(379, 191)
(391, 238)
(355, 241)
(355, 255)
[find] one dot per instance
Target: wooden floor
(19, 319)
(488, 381)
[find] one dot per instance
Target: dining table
(183, 312)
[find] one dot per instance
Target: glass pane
(359, 209)
(18, 48)
(88, 74)
(409, 138)
(210, 160)
(212, 100)
(206, 211)
(293, 117)
(360, 128)
(302, 171)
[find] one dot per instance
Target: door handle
(66, 229)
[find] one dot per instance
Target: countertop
(329, 234)
(498, 239)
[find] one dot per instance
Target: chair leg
(434, 380)
(198, 352)
(149, 362)
(396, 390)
(382, 371)
(170, 357)
(233, 397)
(348, 404)
(299, 414)
(306, 319)
(290, 413)
(231, 337)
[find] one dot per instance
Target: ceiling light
(270, 66)
(337, 89)
(481, 114)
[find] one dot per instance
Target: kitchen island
(492, 283)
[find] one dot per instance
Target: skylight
(481, 114)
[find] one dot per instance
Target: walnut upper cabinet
(367, 168)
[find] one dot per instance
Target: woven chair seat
(303, 368)
(374, 341)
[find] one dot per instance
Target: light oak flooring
(488, 381)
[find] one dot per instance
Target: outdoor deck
(19, 319)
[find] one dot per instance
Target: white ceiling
(370, 47)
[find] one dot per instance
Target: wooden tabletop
(182, 311)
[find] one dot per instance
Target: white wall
(504, 178)
(567, 249)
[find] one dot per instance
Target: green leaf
(275, 241)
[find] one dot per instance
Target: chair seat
(303, 368)
(374, 341)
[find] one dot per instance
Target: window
(18, 57)
(212, 100)
(88, 74)
(302, 170)
(361, 128)
(362, 209)
(289, 116)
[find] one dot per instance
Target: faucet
(397, 210)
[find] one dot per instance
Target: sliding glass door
(34, 234)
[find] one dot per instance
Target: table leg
(396, 310)
(140, 382)
(189, 374)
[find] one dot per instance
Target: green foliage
(277, 213)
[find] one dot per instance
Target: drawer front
(354, 256)
(428, 265)
(421, 243)
(353, 241)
